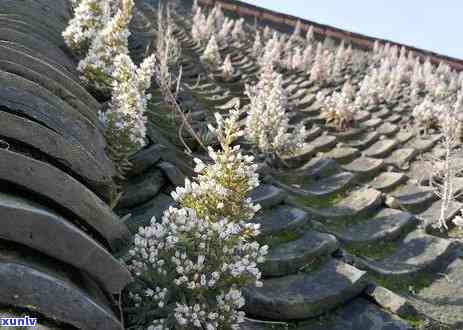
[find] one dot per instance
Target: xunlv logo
(18, 321)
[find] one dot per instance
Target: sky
(432, 25)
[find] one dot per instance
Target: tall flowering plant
(125, 119)
(446, 171)
(112, 40)
(267, 123)
(168, 48)
(271, 54)
(238, 33)
(338, 109)
(371, 93)
(90, 16)
(191, 266)
(427, 114)
(320, 71)
(224, 33)
(257, 46)
(227, 68)
(211, 55)
(200, 29)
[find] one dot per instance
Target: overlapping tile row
(58, 233)
(288, 22)
(343, 215)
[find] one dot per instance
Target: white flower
(272, 52)
(458, 221)
(427, 113)
(238, 33)
(224, 33)
(125, 119)
(211, 54)
(90, 16)
(321, 67)
(338, 108)
(256, 50)
(202, 254)
(98, 66)
(227, 68)
(371, 91)
(267, 123)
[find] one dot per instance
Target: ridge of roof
(262, 14)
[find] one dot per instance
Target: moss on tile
(291, 179)
(403, 286)
(414, 323)
(280, 238)
(316, 202)
(315, 264)
(373, 251)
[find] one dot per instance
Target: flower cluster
(296, 35)
(267, 122)
(342, 61)
(271, 55)
(238, 33)
(295, 60)
(167, 48)
(371, 93)
(211, 55)
(214, 24)
(224, 34)
(338, 108)
(393, 73)
(112, 40)
(192, 266)
(108, 67)
(321, 66)
(401, 68)
(445, 170)
(90, 16)
(222, 187)
(125, 119)
(427, 114)
(256, 50)
(227, 68)
(290, 53)
(324, 63)
(199, 30)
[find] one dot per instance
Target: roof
(357, 39)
